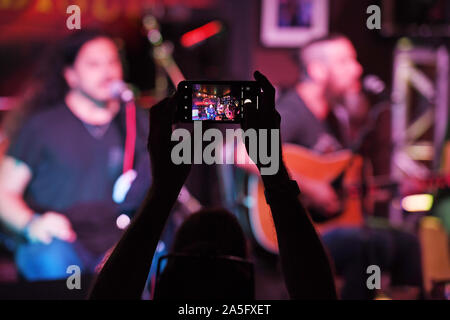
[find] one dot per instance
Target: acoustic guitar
(304, 163)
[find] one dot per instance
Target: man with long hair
(58, 175)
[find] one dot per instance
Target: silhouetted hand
(266, 117)
(164, 171)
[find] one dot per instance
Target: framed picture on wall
(292, 23)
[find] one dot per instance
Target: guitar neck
(162, 54)
(171, 68)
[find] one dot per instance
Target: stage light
(200, 34)
(417, 203)
(123, 221)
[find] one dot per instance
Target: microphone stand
(367, 230)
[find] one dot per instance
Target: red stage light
(200, 34)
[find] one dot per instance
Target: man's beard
(333, 97)
(99, 103)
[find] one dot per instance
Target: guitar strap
(124, 182)
(130, 136)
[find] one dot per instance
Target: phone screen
(216, 101)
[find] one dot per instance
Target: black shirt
(74, 171)
(301, 127)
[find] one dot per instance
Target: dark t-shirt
(301, 127)
(73, 171)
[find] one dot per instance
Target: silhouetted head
(208, 260)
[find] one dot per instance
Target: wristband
(26, 229)
(278, 191)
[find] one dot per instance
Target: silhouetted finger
(265, 84)
(250, 116)
(173, 104)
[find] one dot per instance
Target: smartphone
(215, 101)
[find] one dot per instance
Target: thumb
(160, 120)
(250, 116)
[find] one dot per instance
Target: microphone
(373, 84)
(119, 89)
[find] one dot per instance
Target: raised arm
(124, 274)
(305, 264)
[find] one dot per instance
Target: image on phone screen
(215, 102)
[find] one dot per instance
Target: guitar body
(304, 163)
